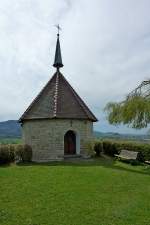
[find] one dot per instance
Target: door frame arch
(77, 136)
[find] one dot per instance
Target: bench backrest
(129, 154)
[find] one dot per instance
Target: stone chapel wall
(46, 136)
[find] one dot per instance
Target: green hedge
(110, 148)
(10, 153)
(94, 148)
(24, 153)
(7, 153)
(114, 147)
(98, 148)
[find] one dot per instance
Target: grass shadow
(103, 161)
(5, 165)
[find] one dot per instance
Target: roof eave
(21, 120)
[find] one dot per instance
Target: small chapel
(58, 123)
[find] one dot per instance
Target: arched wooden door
(70, 143)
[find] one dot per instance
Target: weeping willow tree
(134, 111)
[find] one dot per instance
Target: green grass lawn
(102, 192)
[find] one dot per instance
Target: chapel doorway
(70, 143)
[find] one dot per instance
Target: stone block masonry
(46, 136)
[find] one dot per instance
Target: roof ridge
(56, 94)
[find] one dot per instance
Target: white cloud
(105, 47)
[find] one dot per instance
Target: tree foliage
(134, 110)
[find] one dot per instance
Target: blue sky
(105, 48)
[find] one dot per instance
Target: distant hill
(10, 129)
(107, 134)
(113, 135)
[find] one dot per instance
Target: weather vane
(58, 27)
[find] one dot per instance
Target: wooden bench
(147, 162)
(128, 155)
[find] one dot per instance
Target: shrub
(7, 153)
(114, 147)
(110, 148)
(98, 148)
(12, 152)
(90, 148)
(24, 153)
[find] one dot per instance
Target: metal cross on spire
(58, 27)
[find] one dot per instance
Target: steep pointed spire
(58, 60)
